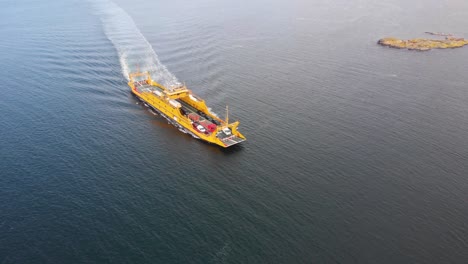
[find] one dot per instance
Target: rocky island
(424, 44)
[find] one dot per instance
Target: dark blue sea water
(356, 153)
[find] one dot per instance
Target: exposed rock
(439, 34)
(423, 44)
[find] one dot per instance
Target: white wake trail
(135, 52)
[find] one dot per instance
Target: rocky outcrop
(423, 44)
(439, 34)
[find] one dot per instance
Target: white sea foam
(135, 52)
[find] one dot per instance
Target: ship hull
(169, 120)
(180, 106)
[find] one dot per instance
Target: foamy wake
(134, 50)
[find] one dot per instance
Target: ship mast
(227, 115)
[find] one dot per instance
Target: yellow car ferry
(185, 110)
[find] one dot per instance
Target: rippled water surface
(356, 153)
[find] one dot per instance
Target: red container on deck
(208, 125)
(212, 127)
(194, 117)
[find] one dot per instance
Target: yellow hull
(180, 106)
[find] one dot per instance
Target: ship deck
(232, 140)
(190, 109)
(147, 88)
(228, 140)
